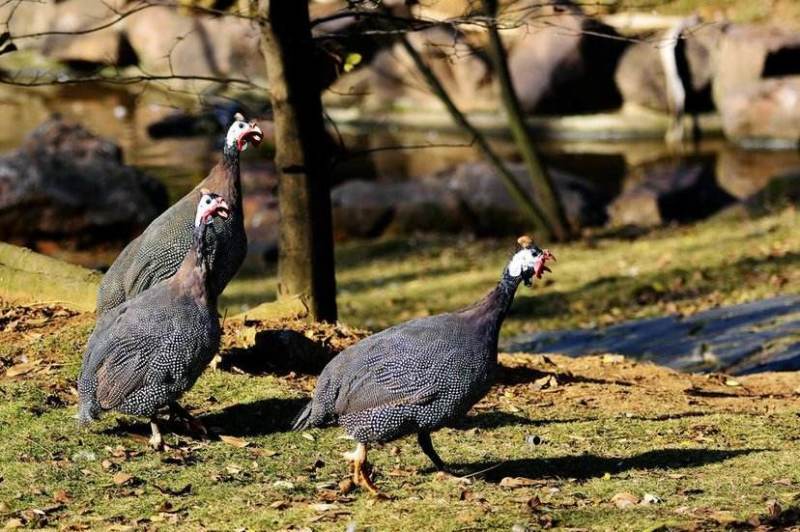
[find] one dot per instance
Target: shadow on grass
(265, 416)
(247, 419)
(586, 466)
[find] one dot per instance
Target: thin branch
(37, 81)
(88, 30)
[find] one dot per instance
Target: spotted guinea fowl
(146, 352)
(418, 376)
(156, 254)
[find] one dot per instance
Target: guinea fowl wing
(401, 365)
(127, 346)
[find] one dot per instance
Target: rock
(106, 46)
(30, 278)
(165, 41)
(640, 74)
(494, 212)
(743, 173)
(384, 82)
(470, 199)
(750, 52)
(669, 191)
(552, 66)
(780, 192)
(367, 209)
(160, 39)
(765, 112)
(65, 184)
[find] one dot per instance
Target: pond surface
(385, 153)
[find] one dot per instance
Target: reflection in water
(118, 114)
(386, 153)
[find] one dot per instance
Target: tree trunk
(305, 260)
(545, 192)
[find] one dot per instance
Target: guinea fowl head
(529, 261)
(210, 205)
(241, 134)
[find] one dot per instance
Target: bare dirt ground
(600, 442)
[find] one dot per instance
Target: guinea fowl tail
(303, 420)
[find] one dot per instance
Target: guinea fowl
(145, 353)
(157, 253)
(418, 376)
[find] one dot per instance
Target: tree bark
(546, 195)
(305, 259)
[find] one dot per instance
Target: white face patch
(522, 261)
(206, 203)
(234, 132)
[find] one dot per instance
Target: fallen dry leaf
(13, 524)
(21, 369)
(234, 441)
(121, 478)
(516, 482)
(323, 507)
(625, 500)
(61, 496)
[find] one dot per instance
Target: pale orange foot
(360, 475)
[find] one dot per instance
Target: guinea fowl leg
(178, 412)
(156, 441)
(360, 475)
(424, 439)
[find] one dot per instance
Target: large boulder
(756, 85)
(494, 212)
(167, 41)
(364, 209)
(106, 46)
(640, 74)
(161, 39)
(750, 52)
(742, 173)
(391, 78)
(766, 112)
(470, 199)
(65, 184)
(553, 63)
(668, 191)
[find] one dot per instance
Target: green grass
(714, 458)
(598, 281)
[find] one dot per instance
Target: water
(118, 114)
(381, 153)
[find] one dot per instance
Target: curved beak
(541, 264)
(253, 136)
(222, 210)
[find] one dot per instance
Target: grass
(596, 281)
(715, 452)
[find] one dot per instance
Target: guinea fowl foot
(360, 474)
(177, 412)
(156, 440)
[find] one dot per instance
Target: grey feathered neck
(230, 157)
(192, 276)
(492, 309)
